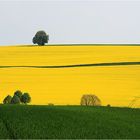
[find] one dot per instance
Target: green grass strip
(78, 65)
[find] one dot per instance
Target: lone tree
(18, 93)
(40, 38)
(15, 100)
(25, 98)
(7, 100)
(90, 100)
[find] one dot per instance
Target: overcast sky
(81, 21)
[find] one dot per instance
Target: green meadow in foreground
(68, 122)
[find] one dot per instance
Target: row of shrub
(24, 98)
(18, 98)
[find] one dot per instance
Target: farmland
(61, 75)
(20, 68)
(23, 122)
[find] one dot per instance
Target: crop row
(69, 122)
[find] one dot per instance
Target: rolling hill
(61, 74)
(68, 122)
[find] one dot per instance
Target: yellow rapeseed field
(115, 85)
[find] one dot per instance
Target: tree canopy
(15, 100)
(18, 98)
(90, 100)
(25, 98)
(7, 99)
(18, 93)
(40, 38)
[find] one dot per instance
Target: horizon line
(73, 44)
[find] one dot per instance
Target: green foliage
(25, 98)
(15, 100)
(7, 100)
(70, 122)
(3, 131)
(40, 38)
(18, 93)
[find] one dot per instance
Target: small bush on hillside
(50, 104)
(108, 105)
